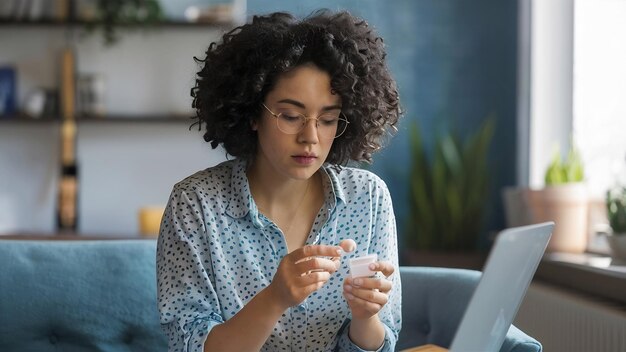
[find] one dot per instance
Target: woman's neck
(274, 193)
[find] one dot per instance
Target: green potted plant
(564, 200)
(616, 212)
(111, 14)
(447, 199)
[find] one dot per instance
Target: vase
(617, 243)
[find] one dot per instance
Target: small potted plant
(616, 212)
(564, 200)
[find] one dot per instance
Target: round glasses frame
(306, 119)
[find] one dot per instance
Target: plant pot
(617, 243)
(567, 206)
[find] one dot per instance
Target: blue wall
(455, 62)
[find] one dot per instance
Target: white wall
(122, 165)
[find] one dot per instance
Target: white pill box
(359, 267)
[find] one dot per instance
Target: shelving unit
(80, 25)
(115, 149)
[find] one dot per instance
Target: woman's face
(306, 90)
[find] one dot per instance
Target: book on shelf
(36, 10)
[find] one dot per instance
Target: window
(599, 89)
(599, 104)
(573, 86)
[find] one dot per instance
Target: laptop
(510, 267)
(506, 276)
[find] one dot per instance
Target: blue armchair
(433, 303)
(76, 296)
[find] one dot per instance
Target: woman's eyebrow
(302, 106)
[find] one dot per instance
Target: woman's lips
(304, 160)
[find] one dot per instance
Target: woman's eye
(329, 120)
(290, 116)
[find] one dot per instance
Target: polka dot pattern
(216, 252)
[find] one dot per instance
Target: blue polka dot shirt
(216, 251)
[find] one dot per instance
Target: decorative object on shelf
(35, 103)
(222, 13)
(90, 90)
(564, 200)
(449, 192)
(218, 13)
(8, 89)
(150, 220)
(110, 14)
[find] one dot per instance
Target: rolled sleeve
(346, 345)
(191, 336)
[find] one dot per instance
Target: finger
(382, 285)
(314, 278)
(368, 295)
(348, 245)
(316, 264)
(358, 303)
(319, 250)
(386, 268)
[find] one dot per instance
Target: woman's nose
(309, 132)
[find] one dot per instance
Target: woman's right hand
(302, 272)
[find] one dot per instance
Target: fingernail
(357, 282)
(339, 252)
(349, 296)
(372, 266)
(348, 288)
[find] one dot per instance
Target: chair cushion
(79, 296)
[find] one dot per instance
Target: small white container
(359, 267)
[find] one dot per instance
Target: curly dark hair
(237, 74)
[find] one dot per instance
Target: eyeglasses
(329, 124)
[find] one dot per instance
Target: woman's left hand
(366, 296)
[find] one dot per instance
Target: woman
(253, 253)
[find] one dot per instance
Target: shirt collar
(335, 186)
(240, 199)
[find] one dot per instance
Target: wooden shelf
(136, 118)
(102, 119)
(80, 23)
